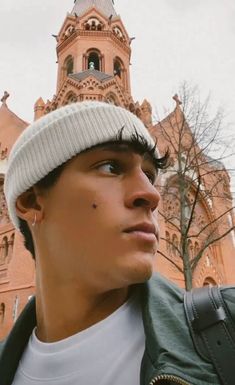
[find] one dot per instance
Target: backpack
(212, 329)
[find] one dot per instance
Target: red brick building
(94, 51)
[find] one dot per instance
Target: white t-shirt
(109, 352)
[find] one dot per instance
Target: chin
(141, 271)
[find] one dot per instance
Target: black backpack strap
(212, 330)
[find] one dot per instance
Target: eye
(152, 176)
(110, 167)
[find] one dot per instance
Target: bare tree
(197, 203)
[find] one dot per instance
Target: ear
(29, 204)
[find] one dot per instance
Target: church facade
(94, 51)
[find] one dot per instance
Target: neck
(64, 310)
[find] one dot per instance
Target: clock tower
(93, 50)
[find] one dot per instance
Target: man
(80, 186)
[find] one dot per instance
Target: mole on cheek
(94, 206)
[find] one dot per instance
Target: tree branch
(168, 259)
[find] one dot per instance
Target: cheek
(79, 214)
(83, 214)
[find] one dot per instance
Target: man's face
(99, 227)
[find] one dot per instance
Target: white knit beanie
(60, 135)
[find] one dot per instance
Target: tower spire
(106, 7)
(93, 51)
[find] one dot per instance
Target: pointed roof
(104, 6)
(11, 126)
(39, 103)
(101, 76)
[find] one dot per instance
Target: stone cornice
(89, 34)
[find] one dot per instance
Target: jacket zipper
(175, 380)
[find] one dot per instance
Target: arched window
(190, 249)
(4, 251)
(93, 24)
(11, 245)
(70, 98)
(69, 31)
(94, 61)
(175, 245)
(118, 33)
(111, 99)
(118, 68)
(196, 249)
(188, 210)
(168, 245)
(2, 312)
(209, 282)
(68, 65)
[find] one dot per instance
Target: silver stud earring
(35, 220)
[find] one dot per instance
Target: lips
(145, 227)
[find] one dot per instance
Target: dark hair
(139, 145)
(45, 183)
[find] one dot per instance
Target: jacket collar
(153, 296)
(16, 342)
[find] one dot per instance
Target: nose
(141, 193)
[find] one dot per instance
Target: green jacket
(169, 358)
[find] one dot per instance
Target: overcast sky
(176, 40)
